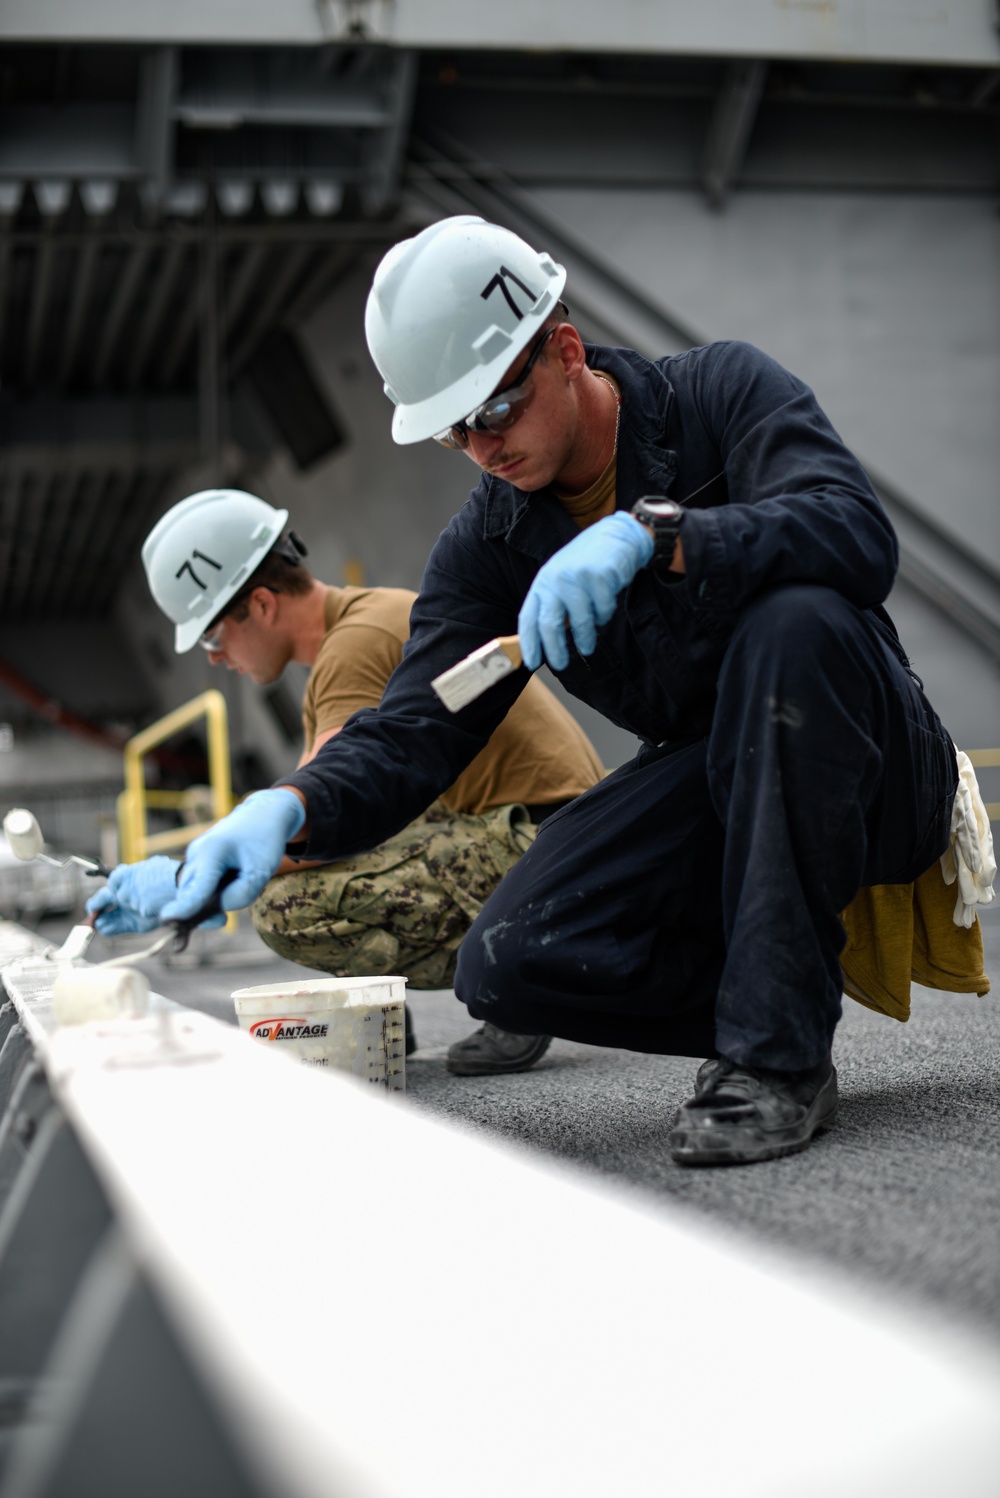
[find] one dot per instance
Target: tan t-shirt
(538, 755)
(599, 500)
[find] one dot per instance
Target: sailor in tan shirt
(539, 756)
(405, 906)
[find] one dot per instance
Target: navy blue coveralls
(689, 903)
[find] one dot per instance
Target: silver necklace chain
(618, 406)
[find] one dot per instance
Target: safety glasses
(212, 638)
(501, 411)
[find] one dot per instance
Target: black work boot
(490, 1052)
(740, 1114)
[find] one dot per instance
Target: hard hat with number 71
(448, 312)
(198, 556)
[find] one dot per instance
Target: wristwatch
(663, 516)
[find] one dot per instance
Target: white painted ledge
(387, 1305)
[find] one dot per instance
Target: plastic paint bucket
(355, 1025)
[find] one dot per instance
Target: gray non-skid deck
(904, 1194)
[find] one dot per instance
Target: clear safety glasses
(212, 638)
(501, 411)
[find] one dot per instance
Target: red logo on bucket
(286, 1028)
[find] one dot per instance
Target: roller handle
(511, 647)
(212, 906)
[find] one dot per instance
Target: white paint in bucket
(355, 1025)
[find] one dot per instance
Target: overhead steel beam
(14, 512)
(227, 107)
(98, 199)
(729, 132)
(120, 490)
(154, 124)
(139, 494)
(9, 494)
(268, 308)
(67, 140)
(985, 90)
(273, 232)
(51, 554)
(53, 200)
(83, 281)
(142, 510)
(121, 304)
(179, 342)
(796, 143)
(385, 150)
(234, 294)
(330, 267)
(152, 317)
(31, 500)
(88, 507)
(209, 394)
(40, 288)
(123, 490)
(11, 194)
(960, 32)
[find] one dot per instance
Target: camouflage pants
(403, 908)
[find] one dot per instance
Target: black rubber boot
(742, 1114)
(490, 1052)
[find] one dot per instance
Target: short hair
(281, 571)
(560, 313)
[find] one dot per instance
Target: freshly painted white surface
(284, 1260)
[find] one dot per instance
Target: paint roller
(115, 989)
(24, 838)
(111, 989)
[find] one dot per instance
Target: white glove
(969, 858)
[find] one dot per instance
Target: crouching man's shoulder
(725, 358)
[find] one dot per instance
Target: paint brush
(462, 684)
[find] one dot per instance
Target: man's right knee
(507, 960)
(487, 965)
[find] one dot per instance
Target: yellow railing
(134, 803)
(987, 759)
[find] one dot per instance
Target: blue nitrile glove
(581, 582)
(250, 840)
(134, 896)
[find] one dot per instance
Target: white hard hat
(448, 311)
(198, 556)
